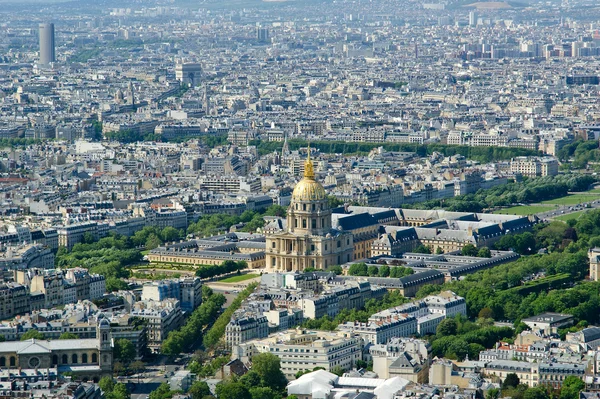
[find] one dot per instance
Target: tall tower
(131, 94)
(594, 257)
(47, 43)
(105, 345)
(472, 19)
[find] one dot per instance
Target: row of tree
(481, 154)
(186, 337)
(216, 332)
(210, 225)
(361, 269)
(526, 191)
(228, 266)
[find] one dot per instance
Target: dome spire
(309, 171)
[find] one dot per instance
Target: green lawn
(572, 199)
(524, 210)
(237, 279)
(569, 216)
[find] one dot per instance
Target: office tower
(188, 73)
(47, 43)
(472, 19)
(262, 34)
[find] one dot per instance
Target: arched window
(94, 358)
(74, 358)
(13, 361)
(84, 358)
(54, 360)
(65, 359)
(2, 361)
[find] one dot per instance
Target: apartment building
(408, 358)
(14, 300)
(380, 331)
(72, 234)
(446, 303)
(302, 350)
(246, 327)
(162, 318)
(534, 166)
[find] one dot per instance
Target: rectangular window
(314, 223)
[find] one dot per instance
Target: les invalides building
(307, 238)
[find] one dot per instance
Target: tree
(124, 350)
(358, 269)
(336, 269)
(268, 367)
(68, 335)
(138, 366)
(264, 393)
(170, 234)
(32, 334)
(422, 249)
(206, 292)
(337, 370)
(199, 389)
(571, 387)
(493, 393)
(447, 327)
(484, 253)
(511, 381)
(251, 379)
(106, 384)
(361, 364)
(115, 284)
(162, 392)
(88, 238)
(439, 251)
(373, 271)
(119, 392)
(118, 368)
(536, 393)
(153, 242)
(276, 210)
(231, 390)
(469, 250)
(486, 313)
(384, 271)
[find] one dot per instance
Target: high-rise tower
(47, 43)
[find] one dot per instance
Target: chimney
(470, 230)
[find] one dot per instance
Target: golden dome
(308, 189)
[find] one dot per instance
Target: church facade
(84, 358)
(308, 239)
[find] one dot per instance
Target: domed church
(307, 239)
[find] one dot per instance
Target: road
(566, 209)
(141, 386)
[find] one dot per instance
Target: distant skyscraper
(47, 43)
(262, 34)
(472, 18)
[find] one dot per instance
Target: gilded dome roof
(308, 189)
